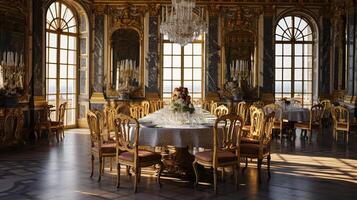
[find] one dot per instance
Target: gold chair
(278, 123)
(221, 110)
(341, 121)
(127, 149)
(136, 111)
(326, 111)
(205, 105)
(260, 137)
(315, 115)
(98, 148)
(157, 105)
(246, 126)
(109, 114)
(224, 153)
(258, 104)
(52, 126)
(213, 107)
(146, 107)
(241, 111)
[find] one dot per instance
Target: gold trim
(97, 98)
(39, 101)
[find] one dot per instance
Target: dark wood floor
(300, 170)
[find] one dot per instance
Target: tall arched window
(61, 59)
(183, 66)
(294, 59)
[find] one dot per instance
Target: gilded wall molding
(128, 16)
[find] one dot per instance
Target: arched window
(61, 59)
(294, 60)
(183, 66)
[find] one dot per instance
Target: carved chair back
(316, 113)
(340, 116)
(242, 108)
(221, 110)
(146, 107)
(125, 126)
(256, 123)
(214, 105)
(61, 112)
(94, 129)
(230, 126)
(136, 111)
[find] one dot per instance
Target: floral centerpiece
(181, 101)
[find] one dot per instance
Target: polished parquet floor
(320, 169)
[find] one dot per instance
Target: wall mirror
(239, 58)
(125, 56)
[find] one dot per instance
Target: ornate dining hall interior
(178, 99)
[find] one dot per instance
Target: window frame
(182, 68)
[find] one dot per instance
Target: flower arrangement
(181, 101)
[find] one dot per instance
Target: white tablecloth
(164, 128)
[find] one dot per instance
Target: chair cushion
(223, 156)
(109, 148)
(251, 149)
(249, 140)
(143, 156)
(56, 123)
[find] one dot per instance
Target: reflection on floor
(300, 170)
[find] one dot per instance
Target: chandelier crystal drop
(181, 24)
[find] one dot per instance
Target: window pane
(278, 62)
(278, 74)
(72, 42)
(308, 86)
(63, 71)
(197, 87)
(176, 74)
(71, 101)
(167, 73)
(51, 86)
(278, 87)
(167, 49)
(197, 74)
(307, 62)
(52, 40)
(298, 86)
(197, 49)
(63, 55)
(308, 74)
(176, 49)
(167, 86)
(197, 61)
(298, 74)
(167, 61)
(188, 61)
(52, 55)
(188, 84)
(287, 49)
(176, 61)
(298, 61)
(286, 86)
(278, 49)
(188, 74)
(52, 71)
(71, 71)
(64, 41)
(71, 86)
(63, 86)
(188, 49)
(287, 62)
(176, 84)
(298, 49)
(71, 57)
(287, 74)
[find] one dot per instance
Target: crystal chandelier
(181, 24)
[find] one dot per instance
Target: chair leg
(259, 169)
(246, 165)
(215, 180)
(161, 167)
(194, 165)
(92, 159)
(347, 137)
(100, 168)
(57, 136)
(111, 164)
(236, 172)
(223, 171)
(128, 171)
(137, 174)
(103, 165)
(269, 158)
(118, 175)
